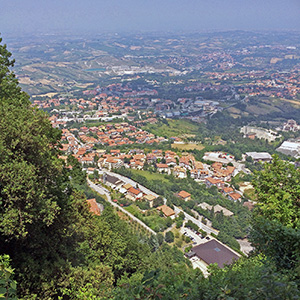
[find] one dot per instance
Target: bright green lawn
(150, 176)
(154, 220)
(176, 128)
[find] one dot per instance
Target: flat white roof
(290, 145)
(259, 155)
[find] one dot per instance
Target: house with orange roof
(195, 173)
(234, 197)
(90, 170)
(203, 174)
(223, 173)
(199, 165)
(186, 162)
(167, 211)
(209, 182)
(179, 172)
(151, 158)
(135, 193)
(158, 153)
(94, 207)
(136, 164)
(227, 190)
(150, 198)
(170, 153)
(112, 163)
(184, 195)
(86, 160)
(163, 168)
(81, 151)
(217, 165)
(171, 161)
(115, 152)
(140, 157)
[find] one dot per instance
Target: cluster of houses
(110, 99)
(166, 162)
(109, 135)
(135, 194)
(291, 125)
(132, 193)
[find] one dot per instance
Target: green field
(187, 146)
(150, 176)
(178, 128)
(151, 218)
(133, 209)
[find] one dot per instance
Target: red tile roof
(235, 196)
(167, 211)
(94, 208)
(134, 191)
(184, 194)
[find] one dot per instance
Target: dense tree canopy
(276, 222)
(278, 192)
(56, 246)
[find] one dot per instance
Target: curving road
(177, 210)
(103, 191)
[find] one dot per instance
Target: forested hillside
(58, 250)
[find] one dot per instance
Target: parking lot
(197, 239)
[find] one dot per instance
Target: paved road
(197, 239)
(133, 183)
(104, 191)
(204, 227)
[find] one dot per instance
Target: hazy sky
(81, 16)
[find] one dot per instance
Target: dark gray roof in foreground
(214, 252)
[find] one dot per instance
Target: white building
(260, 156)
(260, 133)
(290, 148)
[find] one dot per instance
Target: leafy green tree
(45, 224)
(278, 192)
(181, 216)
(169, 237)
(187, 239)
(169, 222)
(160, 238)
(179, 223)
(7, 284)
(158, 202)
(96, 174)
(154, 243)
(278, 242)
(87, 283)
(276, 231)
(253, 278)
